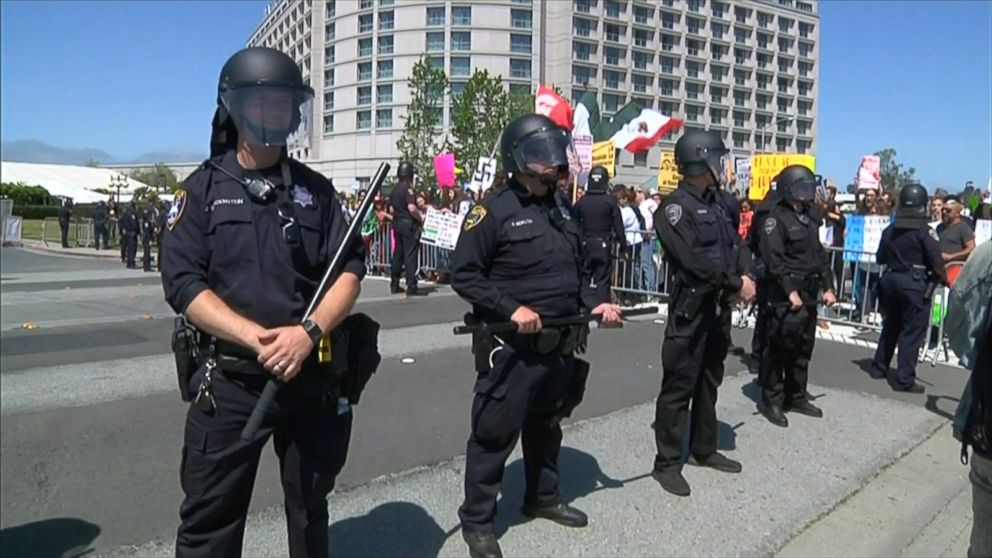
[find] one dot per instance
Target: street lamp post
(119, 181)
(764, 126)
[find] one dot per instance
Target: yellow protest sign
(604, 153)
(764, 168)
(668, 173)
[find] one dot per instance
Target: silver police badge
(770, 225)
(302, 196)
(674, 213)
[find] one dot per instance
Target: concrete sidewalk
(792, 477)
(56, 249)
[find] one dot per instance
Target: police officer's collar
(696, 191)
(230, 162)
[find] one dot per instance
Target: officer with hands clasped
(249, 236)
(601, 225)
(703, 252)
(406, 218)
(910, 252)
(796, 272)
(519, 258)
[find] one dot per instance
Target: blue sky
(131, 77)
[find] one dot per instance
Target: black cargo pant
(692, 357)
(760, 335)
(790, 336)
(218, 468)
(64, 227)
(404, 254)
(130, 247)
(904, 324)
(146, 252)
(101, 236)
(599, 263)
(516, 399)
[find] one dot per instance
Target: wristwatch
(313, 330)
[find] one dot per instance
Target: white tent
(70, 181)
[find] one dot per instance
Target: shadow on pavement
(61, 537)
(932, 406)
(393, 529)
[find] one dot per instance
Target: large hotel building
(747, 68)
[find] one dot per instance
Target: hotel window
(363, 119)
(386, 21)
(461, 66)
(385, 69)
(435, 17)
(365, 71)
(519, 68)
(461, 40)
(364, 96)
(365, 23)
(520, 44)
(328, 124)
(521, 19)
(384, 94)
(461, 15)
(435, 42)
(384, 118)
(386, 44)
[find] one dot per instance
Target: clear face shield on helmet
(806, 191)
(270, 115)
(719, 161)
(545, 155)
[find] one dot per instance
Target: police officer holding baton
(248, 238)
(519, 259)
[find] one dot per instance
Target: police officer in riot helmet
(601, 225)
(248, 238)
(796, 273)
(406, 219)
(703, 253)
(910, 252)
(519, 258)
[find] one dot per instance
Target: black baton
(578, 319)
(354, 228)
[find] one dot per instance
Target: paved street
(92, 426)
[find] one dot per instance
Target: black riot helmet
(261, 93)
(532, 144)
(913, 208)
(599, 180)
(698, 152)
(405, 170)
(797, 183)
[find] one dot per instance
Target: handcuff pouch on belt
(185, 348)
(575, 392)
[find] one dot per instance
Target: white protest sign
(742, 171)
(874, 225)
(485, 174)
(583, 148)
(441, 229)
(868, 173)
(983, 231)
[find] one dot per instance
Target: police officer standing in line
(910, 252)
(149, 226)
(130, 227)
(796, 271)
(65, 215)
(760, 334)
(406, 217)
(163, 217)
(248, 239)
(702, 251)
(100, 218)
(519, 258)
(601, 225)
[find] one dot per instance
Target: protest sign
(764, 168)
(604, 154)
(668, 173)
(441, 228)
(485, 174)
(444, 169)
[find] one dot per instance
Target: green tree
(422, 122)
(160, 178)
(478, 116)
(892, 175)
(24, 194)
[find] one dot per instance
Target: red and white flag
(548, 103)
(642, 132)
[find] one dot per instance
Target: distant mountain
(178, 155)
(33, 151)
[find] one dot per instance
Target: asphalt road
(86, 451)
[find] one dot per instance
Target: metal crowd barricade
(932, 348)
(379, 250)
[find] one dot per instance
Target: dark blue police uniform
(702, 249)
(601, 225)
(519, 251)
(912, 258)
(794, 261)
(265, 261)
(149, 219)
(129, 235)
(406, 249)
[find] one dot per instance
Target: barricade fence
(81, 232)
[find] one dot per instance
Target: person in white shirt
(647, 207)
(632, 227)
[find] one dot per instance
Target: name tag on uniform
(226, 201)
(521, 222)
(702, 211)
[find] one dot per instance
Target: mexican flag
(643, 131)
(606, 128)
(585, 116)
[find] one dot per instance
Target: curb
(38, 247)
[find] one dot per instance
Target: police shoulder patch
(933, 234)
(770, 224)
(474, 217)
(674, 214)
(177, 209)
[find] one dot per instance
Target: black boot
(717, 461)
(395, 288)
(775, 415)
(804, 408)
(414, 291)
(560, 514)
(481, 544)
(672, 481)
